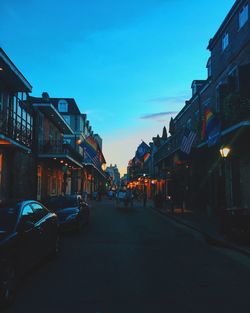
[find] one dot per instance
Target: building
(114, 174)
(98, 139)
(47, 146)
(59, 158)
(73, 147)
(218, 113)
(17, 160)
(229, 68)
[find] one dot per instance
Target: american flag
(187, 140)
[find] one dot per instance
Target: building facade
(218, 113)
(42, 142)
(17, 160)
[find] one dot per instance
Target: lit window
(225, 41)
(62, 106)
(243, 16)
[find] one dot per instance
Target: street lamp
(224, 151)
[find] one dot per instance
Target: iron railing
(16, 126)
(60, 147)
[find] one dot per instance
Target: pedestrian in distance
(85, 196)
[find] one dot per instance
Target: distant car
(72, 212)
(28, 233)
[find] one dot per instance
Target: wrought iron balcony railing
(16, 127)
(59, 147)
(173, 144)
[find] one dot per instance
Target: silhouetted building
(17, 161)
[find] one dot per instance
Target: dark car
(28, 233)
(72, 212)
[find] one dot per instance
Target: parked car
(28, 233)
(72, 212)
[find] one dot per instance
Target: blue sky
(129, 64)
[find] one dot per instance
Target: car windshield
(58, 203)
(8, 216)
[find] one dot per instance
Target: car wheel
(9, 285)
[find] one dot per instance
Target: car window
(39, 211)
(28, 214)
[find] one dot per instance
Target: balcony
(172, 145)
(58, 149)
(16, 128)
(234, 109)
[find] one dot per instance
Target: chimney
(45, 96)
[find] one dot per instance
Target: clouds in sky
(156, 116)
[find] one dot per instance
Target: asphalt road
(137, 261)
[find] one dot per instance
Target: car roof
(20, 202)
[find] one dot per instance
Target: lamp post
(224, 152)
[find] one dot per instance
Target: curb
(210, 239)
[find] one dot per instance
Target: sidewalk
(209, 227)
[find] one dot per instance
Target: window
(24, 96)
(62, 106)
(28, 214)
(51, 134)
(19, 95)
(189, 124)
(225, 41)
(67, 119)
(196, 116)
(209, 68)
(243, 16)
(39, 211)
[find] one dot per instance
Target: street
(136, 261)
